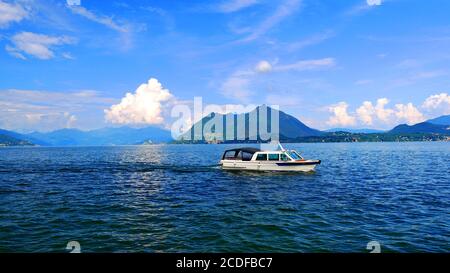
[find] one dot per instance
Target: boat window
(294, 156)
(284, 157)
(298, 154)
(261, 157)
(230, 155)
(274, 157)
(246, 156)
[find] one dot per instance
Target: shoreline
(227, 143)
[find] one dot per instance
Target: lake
(174, 198)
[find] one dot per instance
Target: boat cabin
(254, 154)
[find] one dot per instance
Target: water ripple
(174, 198)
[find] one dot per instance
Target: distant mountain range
(104, 136)
(99, 137)
(291, 129)
(19, 139)
(428, 126)
(442, 120)
(355, 131)
(421, 128)
(8, 138)
(289, 126)
(440, 125)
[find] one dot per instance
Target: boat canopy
(238, 153)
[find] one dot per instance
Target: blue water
(171, 198)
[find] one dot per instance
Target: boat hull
(288, 166)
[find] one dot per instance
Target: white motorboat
(253, 159)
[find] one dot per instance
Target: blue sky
(354, 63)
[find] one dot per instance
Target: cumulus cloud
(11, 13)
(440, 102)
(379, 114)
(235, 5)
(263, 67)
(374, 2)
(340, 115)
(375, 114)
(35, 110)
(36, 45)
(409, 113)
(367, 111)
(145, 106)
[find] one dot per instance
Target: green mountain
(17, 138)
(290, 127)
(421, 128)
(6, 140)
(442, 120)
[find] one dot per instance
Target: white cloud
(377, 115)
(409, 113)
(374, 2)
(313, 40)
(50, 121)
(125, 30)
(282, 11)
(235, 5)
(364, 7)
(302, 65)
(145, 106)
(11, 13)
(439, 102)
(68, 56)
(238, 84)
(34, 110)
(36, 45)
(367, 112)
(237, 87)
(103, 20)
(307, 65)
(340, 115)
(263, 67)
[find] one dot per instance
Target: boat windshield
(294, 155)
(301, 157)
